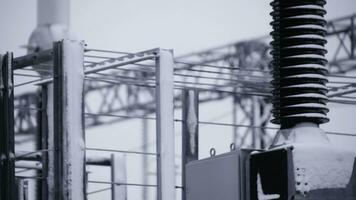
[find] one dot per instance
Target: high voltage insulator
(298, 51)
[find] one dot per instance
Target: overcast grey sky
(183, 25)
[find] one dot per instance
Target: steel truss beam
(239, 69)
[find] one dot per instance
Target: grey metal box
(219, 177)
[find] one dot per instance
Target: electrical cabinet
(220, 177)
(255, 175)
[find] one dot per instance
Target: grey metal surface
(218, 177)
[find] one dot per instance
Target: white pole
(118, 175)
(51, 12)
(73, 123)
(52, 24)
(165, 125)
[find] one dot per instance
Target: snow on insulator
(306, 16)
(307, 36)
(307, 7)
(306, 56)
(308, 95)
(316, 76)
(309, 26)
(298, 51)
(308, 85)
(314, 66)
(313, 115)
(308, 105)
(311, 46)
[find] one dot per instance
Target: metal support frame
(256, 113)
(7, 156)
(118, 175)
(165, 125)
(234, 119)
(57, 126)
(43, 134)
(353, 36)
(190, 131)
(68, 125)
(234, 55)
(343, 31)
(145, 163)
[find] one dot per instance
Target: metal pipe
(33, 59)
(52, 24)
(90, 160)
(53, 12)
(28, 165)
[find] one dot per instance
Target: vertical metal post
(165, 125)
(69, 142)
(43, 134)
(57, 126)
(256, 122)
(145, 158)
(41, 143)
(22, 189)
(48, 124)
(7, 156)
(352, 36)
(25, 190)
(118, 175)
(86, 184)
(234, 118)
(19, 192)
(190, 131)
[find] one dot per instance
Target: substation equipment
(301, 164)
(299, 98)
